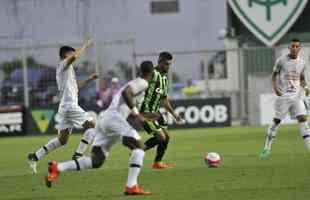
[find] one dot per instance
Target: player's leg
(303, 122)
(161, 149)
(271, 135)
(152, 129)
(96, 160)
(86, 140)
(162, 138)
(135, 164)
(81, 119)
(100, 150)
(281, 107)
(51, 145)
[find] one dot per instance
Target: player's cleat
(52, 173)
(264, 154)
(135, 190)
(76, 156)
(32, 161)
(160, 165)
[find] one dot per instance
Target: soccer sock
(86, 140)
(305, 133)
(79, 164)
(161, 149)
(150, 143)
(50, 146)
(271, 134)
(135, 164)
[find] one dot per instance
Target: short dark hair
(65, 49)
(295, 40)
(165, 56)
(146, 67)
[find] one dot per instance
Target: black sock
(150, 143)
(161, 149)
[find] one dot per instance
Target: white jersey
(289, 72)
(67, 85)
(138, 87)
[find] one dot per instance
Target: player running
(288, 80)
(112, 126)
(70, 113)
(156, 94)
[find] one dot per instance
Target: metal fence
(28, 74)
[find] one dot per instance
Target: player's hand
(278, 93)
(93, 76)
(88, 43)
(179, 119)
(307, 91)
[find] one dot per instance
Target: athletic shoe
(264, 154)
(135, 190)
(32, 161)
(52, 173)
(160, 165)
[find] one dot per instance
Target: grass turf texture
(284, 175)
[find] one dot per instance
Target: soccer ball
(212, 159)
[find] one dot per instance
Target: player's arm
(169, 108)
(69, 60)
(128, 95)
(303, 83)
(151, 116)
(275, 73)
(83, 83)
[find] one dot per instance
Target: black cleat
(32, 161)
(76, 156)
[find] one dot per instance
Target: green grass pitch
(285, 175)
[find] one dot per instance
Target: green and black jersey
(157, 90)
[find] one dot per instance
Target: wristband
(135, 111)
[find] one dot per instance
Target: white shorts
(283, 105)
(112, 127)
(71, 116)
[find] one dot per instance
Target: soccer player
(112, 126)
(156, 94)
(288, 81)
(70, 113)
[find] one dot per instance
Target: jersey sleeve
(277, 66)
(62, 64)
(138, 85)
(165, 94)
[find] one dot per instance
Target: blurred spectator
(106, 94)
(192, 90)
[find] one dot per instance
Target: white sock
(67, 165)
(79, 164)
(135, 164)
(271, 134)
(305, 133)
(50, 146)
(87, 139)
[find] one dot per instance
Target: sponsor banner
(196, 113)
(12, 121)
